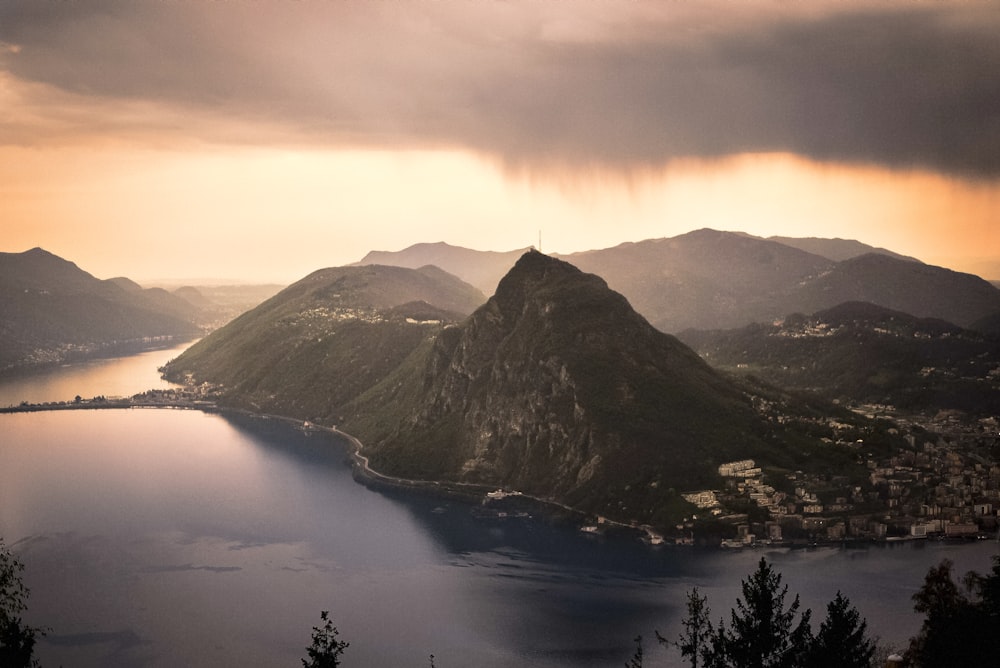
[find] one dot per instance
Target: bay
(111, 377)
(159, 537)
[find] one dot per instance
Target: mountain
(718, 280)
(705, 278)
(51, 311)
(837, 249)
(557, 388)
(865, 353)
(327, 338)
(709, 279)
(922, 290)
(194, 296)
(483, 269)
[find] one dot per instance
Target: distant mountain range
(555, 386)
(483, 269)
(713, 280)
(837, 249)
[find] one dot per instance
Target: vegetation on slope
(323, 341)
(862, 352)
(51, 312)
(557, 388)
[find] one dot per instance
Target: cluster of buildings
(322, 315)
(946, 484)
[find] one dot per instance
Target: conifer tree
(695, 641)
(762, 632)
(842, 641)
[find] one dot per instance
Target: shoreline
(107, 351)
(364, 474)
(361, 469)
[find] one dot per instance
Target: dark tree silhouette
(842, 641)
(696, 637)
(959, 628)
(764, 633)
(761, 633)
(326, 649)
(17, 641)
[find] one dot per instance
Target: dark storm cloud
(904, 89)
(901, 85)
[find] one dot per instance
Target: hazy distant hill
(52, 311)
(327, 338)
(715, 280)
(837, 249)
(990, 324)
(918, 289)
(862, 352)
(705, 278)
(708, 279)
(218, 304)
(483, 269)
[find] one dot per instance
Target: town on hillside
(947, 486)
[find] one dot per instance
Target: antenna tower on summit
(539, 241)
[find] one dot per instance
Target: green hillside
(325, 339)
(862, 352)
(52, 312)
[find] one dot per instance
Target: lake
(159, 537)
(110, 377)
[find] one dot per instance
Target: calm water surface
(170, 537)
(112, 377)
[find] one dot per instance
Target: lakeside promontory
(555, 387)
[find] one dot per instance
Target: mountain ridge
(53, 312)
(709, 279)
(482, 269)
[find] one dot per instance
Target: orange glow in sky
(276, 215)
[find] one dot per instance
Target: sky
(257, 141)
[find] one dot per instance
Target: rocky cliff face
(557, 387)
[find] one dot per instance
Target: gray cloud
(901, 85)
